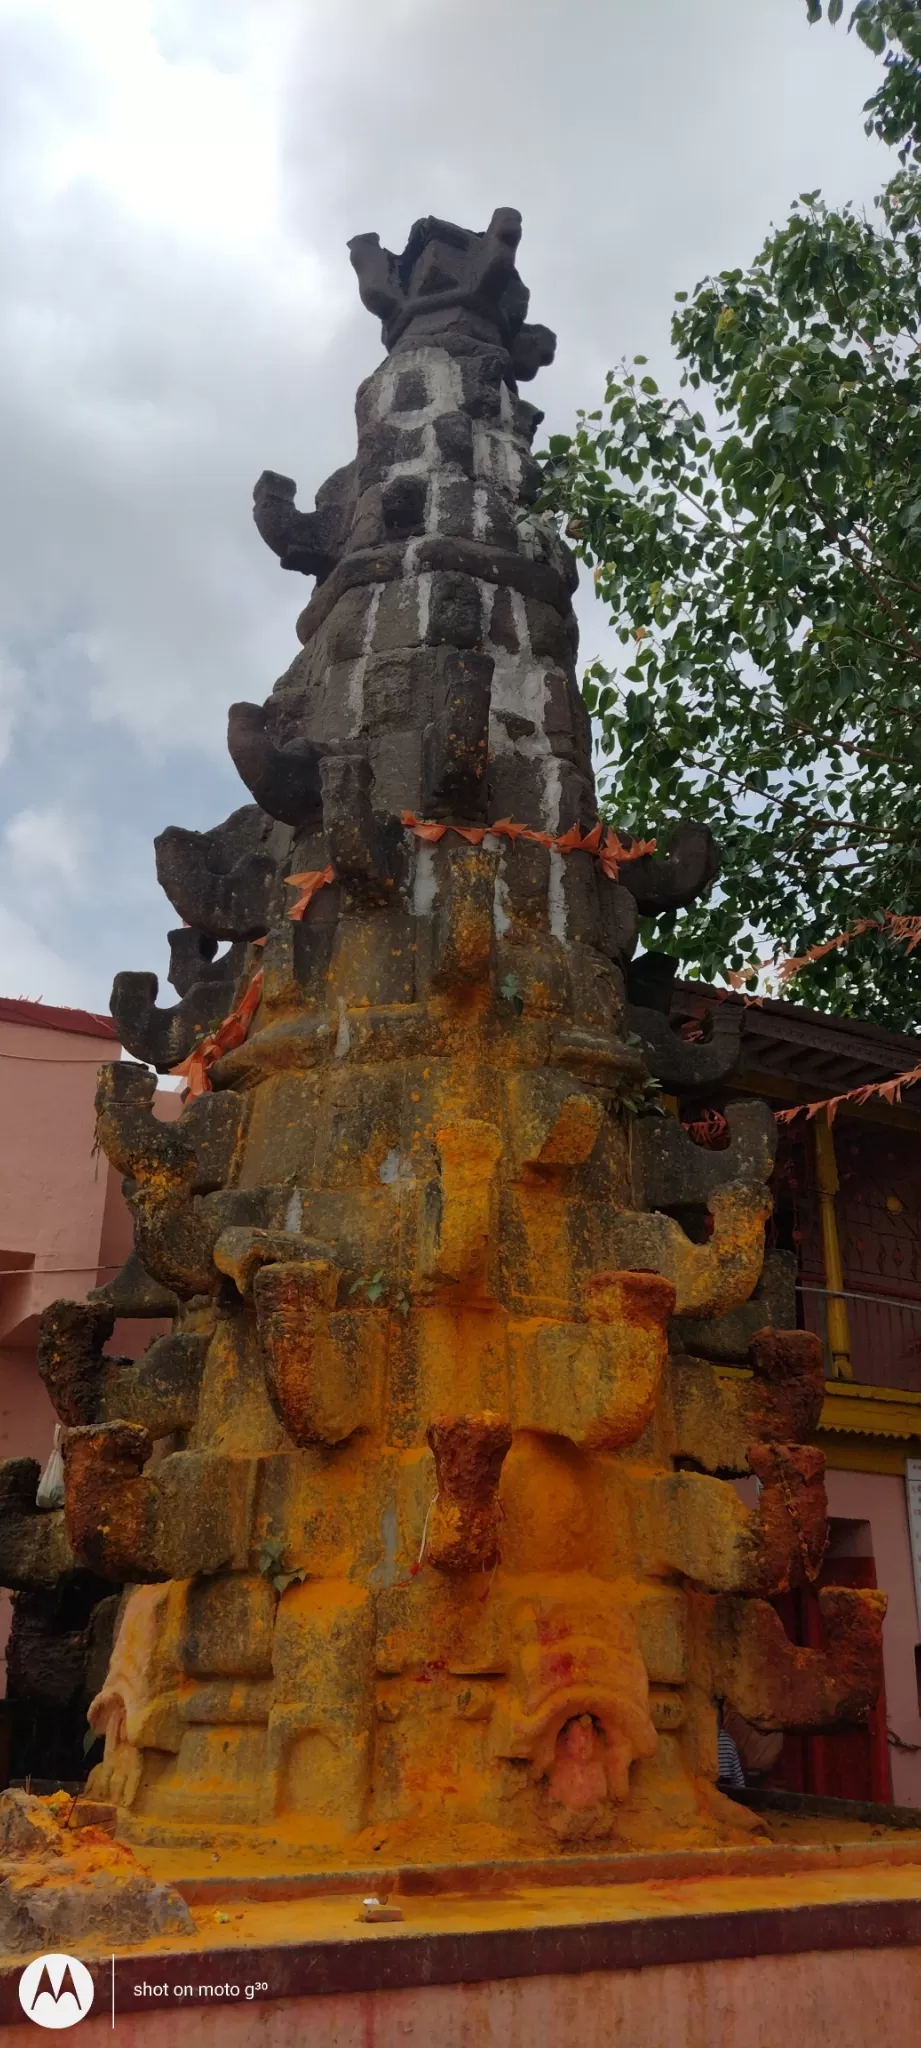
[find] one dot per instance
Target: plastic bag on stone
(51, 1484)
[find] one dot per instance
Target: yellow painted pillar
(837, 1325)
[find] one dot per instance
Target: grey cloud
(147, 374)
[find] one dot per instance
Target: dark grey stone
(397, 621)
(410, 392)
(689, 865)
(403, 505)
(580, 894)
(454, 611)
(220, 881)
(450, 279)
(725, 1339)
(455, 744)
(399, 688)
(503, 631)
(365, 848)
(383, 443)
(454, 438)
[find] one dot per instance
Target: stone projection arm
(310, 542)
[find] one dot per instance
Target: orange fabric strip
(232, 1032)
(601, 841)
(891, 1091)
(907, 930)
(310, 882)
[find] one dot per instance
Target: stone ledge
(721, 1924)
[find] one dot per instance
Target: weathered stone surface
(230, 1625)
(669, 881)
(727, 1338)
(595, 1382)
(27, 1827)
(34, 1550)
(38, 1913)
(464, 1531)
(161, 1391)
(70, 1361)
(163, 1038)
(463, 937)
(716, 1424)
(684, 1068)
(135, 1293)
(428, 1255)
(455, 743)
(220, 881)
(743, 1653)
(285, 781)
(365, 848)
(708, 1278)
(321, 1367)
(671, 1172)
(308, 541)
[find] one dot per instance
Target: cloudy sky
(177, 182)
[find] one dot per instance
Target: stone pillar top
(452, 278)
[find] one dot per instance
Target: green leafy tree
(758, 541)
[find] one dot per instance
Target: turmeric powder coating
(427, 1503)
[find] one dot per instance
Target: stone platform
(714, 1949)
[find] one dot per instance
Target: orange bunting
(196, 1070)
(907, 930)
(602, 841)
(710, 1131)
(430, 833)
(310, 882)
(613, 853)
(891, 1091)
(789, 968)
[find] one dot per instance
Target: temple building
(64, 1223)
(844, 1249)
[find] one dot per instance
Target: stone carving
(441, 1544)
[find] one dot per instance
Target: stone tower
(433, 1537)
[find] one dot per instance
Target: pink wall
(62, 1213)
(52, 1187)
(879, 1498)
(840, 1999)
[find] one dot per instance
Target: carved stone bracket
(34, 1551)
(743, 1653)
(221, 881)
(159, 1391)
(464, 1530)
(675, 880)
(708, 1278)
(671, 1172)
(324, 1367)
(285, 781)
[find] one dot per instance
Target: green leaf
(775, 577)
(282, 1580)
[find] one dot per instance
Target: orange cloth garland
(309, 882)
(232, 1032)
(602, 842)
